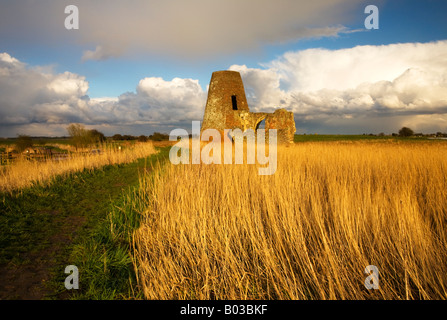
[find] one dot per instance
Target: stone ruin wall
(227, 108)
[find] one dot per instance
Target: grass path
(40, 227)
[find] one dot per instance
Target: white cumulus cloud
(397, 81)
(354, 90)
(35, 98)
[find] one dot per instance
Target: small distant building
(28, 151)
(37, 150)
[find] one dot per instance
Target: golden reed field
(306, 232)
(24, 173)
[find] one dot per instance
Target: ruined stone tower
(227, 108)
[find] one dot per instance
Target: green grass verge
(105, 258)
(70, 222)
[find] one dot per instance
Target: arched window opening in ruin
(261, 125)
(234, 102)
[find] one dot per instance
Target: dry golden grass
(24, 173)
(306, 232)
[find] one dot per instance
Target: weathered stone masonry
(227, 108)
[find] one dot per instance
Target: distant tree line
(156, 136)
(408, 132)
(82, 137)
(23, 141)
(117, 137)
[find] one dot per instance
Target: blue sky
(136, 50)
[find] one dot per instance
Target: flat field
(148, 229)
(306, 232)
